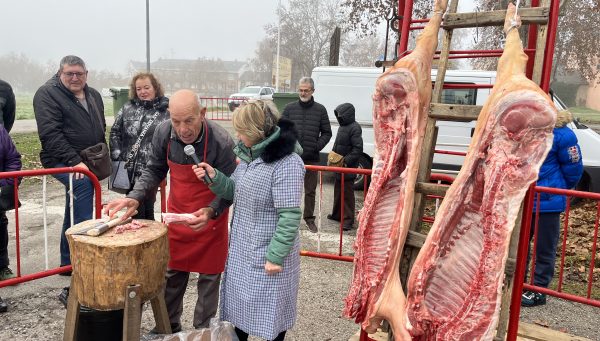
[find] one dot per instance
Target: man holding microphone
(199, 244)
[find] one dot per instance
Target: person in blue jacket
(562, 169)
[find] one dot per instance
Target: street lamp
(148, 35)
(278, 41)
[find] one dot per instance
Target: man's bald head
(187, 115)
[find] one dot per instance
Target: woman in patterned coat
(147, 104)
(260, 283)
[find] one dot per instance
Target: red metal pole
(326, 256)
(564, 245)
(18, 241)
(593, 258)
(341, 213)
(515, 301)
(531, 42)
(405, 31)
(550, 44)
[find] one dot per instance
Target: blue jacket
(10, 159)
(561, 169)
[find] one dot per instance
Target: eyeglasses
(76, 74)
(303, 91)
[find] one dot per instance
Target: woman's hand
(204, 169)
(272, 268)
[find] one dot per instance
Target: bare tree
(306, 26)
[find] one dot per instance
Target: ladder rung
(454, 112)
(415, 239)
(431, 189)
(536, 15)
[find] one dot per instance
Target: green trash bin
(281, 99)
(120, 96)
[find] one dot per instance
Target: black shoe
(312, 226)
(531, 299)
(63, 297)
(332, 217)
(3, 306)
(347, 226)
(175, 328)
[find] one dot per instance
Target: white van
(336, 85)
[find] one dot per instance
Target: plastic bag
(222, 330)
(219, 331)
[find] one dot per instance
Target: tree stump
(103, 266)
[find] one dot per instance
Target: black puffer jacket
(348, 141)
(64, 126)
(312, 123)
(129, 123)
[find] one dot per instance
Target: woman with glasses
(260, 282)
(131, 133)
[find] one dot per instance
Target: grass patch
(586, 115)
(25, 107)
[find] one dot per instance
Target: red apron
(202, 251)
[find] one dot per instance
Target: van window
(459, 96)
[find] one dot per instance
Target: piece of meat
(182, 218)
(133, 225)
(454, 288)
(400, 105)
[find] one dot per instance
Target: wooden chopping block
(103, 266)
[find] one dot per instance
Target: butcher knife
(102, 226)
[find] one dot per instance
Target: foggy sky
(109, 33)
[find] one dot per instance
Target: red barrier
(40, 172)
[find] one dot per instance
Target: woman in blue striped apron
(260, 282)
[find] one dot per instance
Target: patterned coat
(260, 304)
(128, 125)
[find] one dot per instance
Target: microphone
(189, 150)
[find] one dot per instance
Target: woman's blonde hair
(255, 120)
(563, 118)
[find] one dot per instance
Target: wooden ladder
(465, 113)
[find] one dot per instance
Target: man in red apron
(200, 245)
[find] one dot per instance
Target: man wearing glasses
(70, 117)
(314, 131)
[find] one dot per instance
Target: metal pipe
(305, 253)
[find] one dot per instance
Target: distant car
(250, 92)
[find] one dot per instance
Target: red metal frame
(38, 172)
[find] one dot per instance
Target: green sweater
(288, 218)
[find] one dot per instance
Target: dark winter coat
(10, 159)
(128, 125)
(348, 141)
(7, 105)
(561, 169)
(65, 127)
(312, 123)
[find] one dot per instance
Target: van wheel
(364, 162)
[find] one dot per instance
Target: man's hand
(79, 175)
(272, 268)
(118, 204)
(203, 215)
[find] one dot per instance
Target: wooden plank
(536, 15)
(161, 317)
(454, 112)
(540, 50)
(529, 332)
(415, 239)
(132, 317)
(427, 188)
(72, 318)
